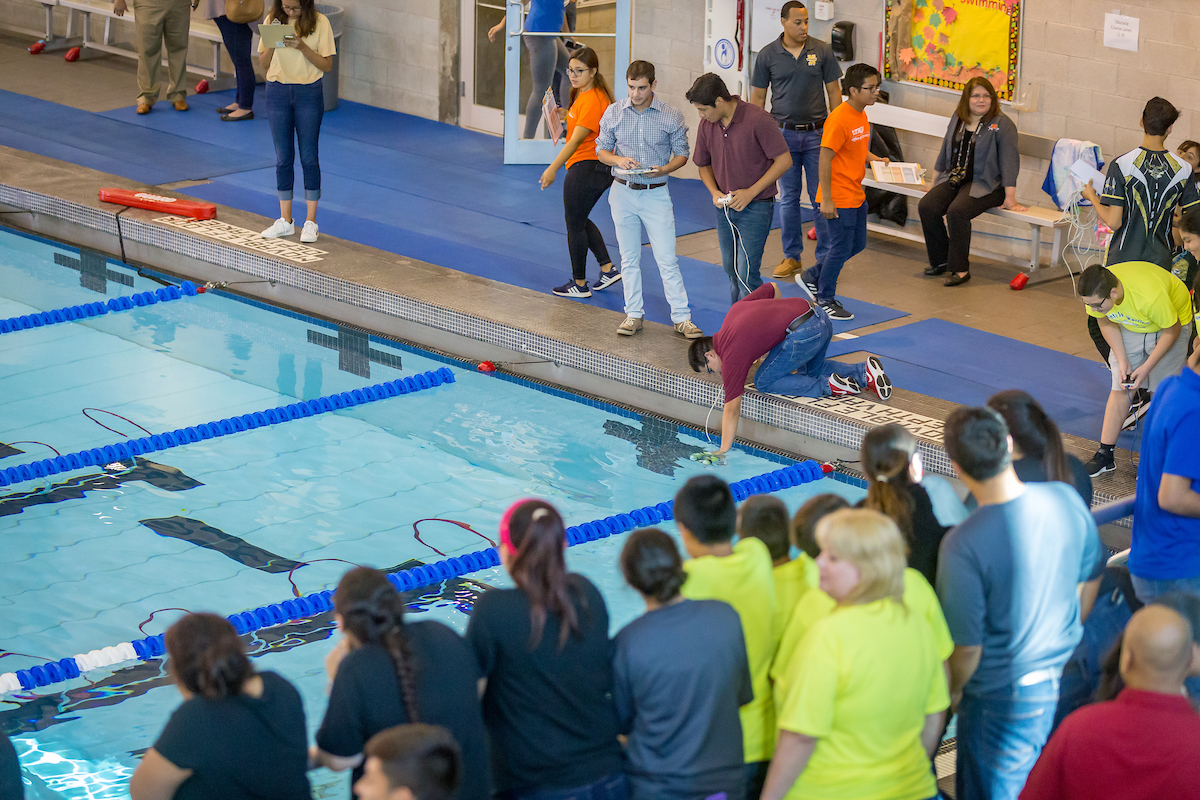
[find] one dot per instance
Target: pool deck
(527, 333)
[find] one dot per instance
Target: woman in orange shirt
(587, 179)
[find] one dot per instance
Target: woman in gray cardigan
(975, 170)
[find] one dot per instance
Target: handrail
(1113, 511)
(575, 35)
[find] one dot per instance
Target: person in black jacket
(893, 468)
(976, 169)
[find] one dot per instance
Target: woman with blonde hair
(868, 690)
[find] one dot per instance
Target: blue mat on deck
(117, 147)
(962, 365)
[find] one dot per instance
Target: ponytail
(372, 611)
(887, 452)
(536, 535)
(207, 656)
(1033, 432)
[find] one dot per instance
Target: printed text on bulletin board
(947, 42)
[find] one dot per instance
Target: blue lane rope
(309, 605)
(124, 451)
(86, 310)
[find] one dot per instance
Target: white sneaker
(279, 227)
(308, 233)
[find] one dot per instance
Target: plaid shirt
(650, 137)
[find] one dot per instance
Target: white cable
(737, 236)
(708, 416)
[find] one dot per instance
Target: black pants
(585, 183)
(237, 37)
(953, 247)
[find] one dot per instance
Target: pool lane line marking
(309, 605)
(125, 451)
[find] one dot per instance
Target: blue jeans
(295, 111)
(741, 253)
(847, 237)
(1146, 590)
(806, 157)
(610, 787)
(237, 37)
(797, 366)
(1000, 735)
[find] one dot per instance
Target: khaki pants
(158, 20)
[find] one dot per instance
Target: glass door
(482, 67)
(604, 38)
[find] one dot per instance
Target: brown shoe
(143, 108)
(787, 268)
(180, 105)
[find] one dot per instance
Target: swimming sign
(724, 53)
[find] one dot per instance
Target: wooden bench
(1036, 218)
(200, 29)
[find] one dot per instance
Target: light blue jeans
(1146, 590)
(797, 366)
(652, 208)
(806, 159)
(1000, 735)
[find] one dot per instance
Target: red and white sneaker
(841, 387)
(877, 379)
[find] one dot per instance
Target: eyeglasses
(577, 73)
(1096, 306)
(984, 96)
(874, 88)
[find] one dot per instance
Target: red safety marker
(1018, 283)
(827, 468)
(486, 366)
(72, 54)
(202, 87)
(812, 233)
(37, 47)
(156, 202)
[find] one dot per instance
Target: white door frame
(542, 151)
(483, 118)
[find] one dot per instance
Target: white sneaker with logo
(308, 234)
(279, 227)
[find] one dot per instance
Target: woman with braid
(543, 648)
(386, 672)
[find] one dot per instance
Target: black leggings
(585, 183)
(953, 247)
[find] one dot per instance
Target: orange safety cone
(37, 47)
(202, 87)
(812, 233)
(72, 54)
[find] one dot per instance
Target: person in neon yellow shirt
(740, 575)
(765, 517)
(1145, 316)
(868, 693)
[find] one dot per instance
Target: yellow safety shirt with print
(1154, 298)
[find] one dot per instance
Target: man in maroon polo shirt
(741, 153)
(793, 334)
(1145, 745)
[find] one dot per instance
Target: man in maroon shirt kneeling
(793, 334)
(1145, 745)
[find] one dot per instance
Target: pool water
(105, 555)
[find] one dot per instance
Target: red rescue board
(157, 202)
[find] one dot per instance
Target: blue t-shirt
(1007, 580)
(1166, 546)
(545, 16)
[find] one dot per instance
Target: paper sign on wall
(1121, 32)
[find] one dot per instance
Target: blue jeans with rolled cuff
(295, 111)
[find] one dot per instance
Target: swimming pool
(110, 553)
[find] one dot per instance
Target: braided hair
(372, 611)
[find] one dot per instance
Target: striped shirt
(651, 137)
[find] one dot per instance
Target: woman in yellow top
(868, 695)
(587, 179)
(295, 105)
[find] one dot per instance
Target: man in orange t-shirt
(842, 223)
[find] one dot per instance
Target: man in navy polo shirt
(1165, 555)
(741, 154)
(802, 74)
(793, 334)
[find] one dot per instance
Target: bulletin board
(947, 42)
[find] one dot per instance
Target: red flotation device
(157, 202)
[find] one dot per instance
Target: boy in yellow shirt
(1145, 316)
(765, 517)
(740, 575)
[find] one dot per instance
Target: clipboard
(552, 114)
(272, 35)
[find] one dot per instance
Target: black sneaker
(607, 279)
(808, 282)
(573, 289)
(834, 309)
(1104, 461)
(1137, 410)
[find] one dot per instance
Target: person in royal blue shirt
(793, 334)
(1165, 553)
